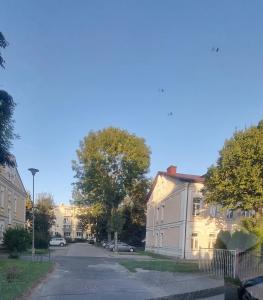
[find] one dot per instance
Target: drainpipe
(186, 210)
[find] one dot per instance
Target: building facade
(179, 222)
(12, 199)
(67, 223)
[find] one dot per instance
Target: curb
(194, 295)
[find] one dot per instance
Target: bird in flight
(170, 114)
(161, 90)
(215, 49)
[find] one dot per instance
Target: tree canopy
(110, 162)
(3, 44)
(7, 134)
(236, 181)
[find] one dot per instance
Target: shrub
(14, 254)
(222, 240)
(239, 240)
(17, 239)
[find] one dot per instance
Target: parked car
(57, 242)
(123, 247)
(103, 243)
(91, 241)
(252, 289)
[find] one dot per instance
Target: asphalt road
(84, 271)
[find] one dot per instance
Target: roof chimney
(171, 171)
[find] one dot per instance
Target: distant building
(67, 223)
(178, 220)
(12, 199)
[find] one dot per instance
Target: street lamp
(33, 172)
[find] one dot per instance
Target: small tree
(17, 239)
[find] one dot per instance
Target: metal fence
(230, 263)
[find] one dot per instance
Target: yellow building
(178, 220)
(12, 199)
(67, 223)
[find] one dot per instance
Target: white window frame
(161, 239)
(230, 214)
(15, 204)
(9, 215)
(196, 206)
(247, 213)
(211, 240)
(2, 229)
(194, 241)
(2, 196)
(162, 213)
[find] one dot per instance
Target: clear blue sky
(76, 66)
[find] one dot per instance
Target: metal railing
(230, 263)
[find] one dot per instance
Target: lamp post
(33, 172)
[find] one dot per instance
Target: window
(9, 216)
(79, 234)
(2, 196)
(1, 230)
(196, 206)
(230, 214)
(15, 204)
(247, 213)
(156, 239)
(194, 242)
(162, 213)
(157, 215)
(161, 239)
(212, 240)
(213, 211)
(67, 234)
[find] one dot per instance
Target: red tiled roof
(185, 177)
(180, 176)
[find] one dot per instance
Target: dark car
(123, 247)
(251, 289)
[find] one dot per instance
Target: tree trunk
(115, 241)
(109, 236)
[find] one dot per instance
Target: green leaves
(236, 181)
(110, 163)
(7, 135)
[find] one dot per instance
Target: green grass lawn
(17, 276)
(151, 254)
(37, 251)
(160, 265)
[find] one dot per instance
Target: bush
(17, 239)
(238, 240)
(14, 254)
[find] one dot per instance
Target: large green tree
(110, 162)
(236, 181)
(3, 44)
(7, 106)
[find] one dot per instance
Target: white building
(67, 222)
(12, 199)
(178, 220)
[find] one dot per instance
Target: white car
(57, 242)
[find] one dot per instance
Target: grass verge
(151, 254)
(37, 251)
(17, 276)
(160, 265)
